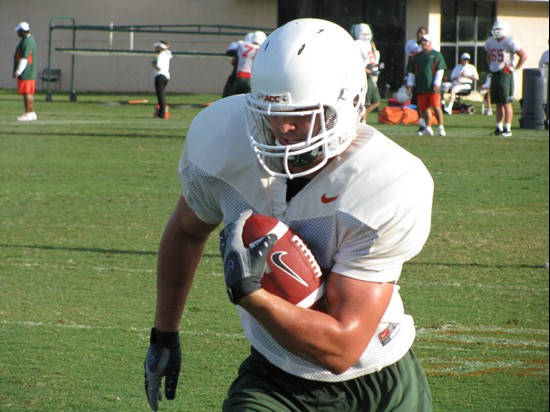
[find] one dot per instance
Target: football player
(294, 148)
(501, 49)
(246, 52)
(362, 33)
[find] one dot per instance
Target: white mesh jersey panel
(365, 214)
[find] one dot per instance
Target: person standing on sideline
(24, 70)
(425, 76)
(161, 63)
(462, 78)
(246, 52)
(362, 33)
(412, 47)
(501, 50)
(294, 149)
(231, 51)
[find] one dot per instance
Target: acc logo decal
(277, 259)
(273, 99)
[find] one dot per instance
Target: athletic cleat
(506, 133)
(446, 110)
(496, 132)
(489, 112)
(421, 131)
(429, 131)
(442, 131)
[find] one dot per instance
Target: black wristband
(242, 288)
(168, 340)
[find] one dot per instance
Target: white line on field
(92, 327)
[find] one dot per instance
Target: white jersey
(464, 74)
(368, 53)
(162, 62)
(365, 214)
(246, 54)
(501, 52)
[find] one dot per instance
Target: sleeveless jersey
(377, 217)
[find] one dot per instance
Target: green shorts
(373, 94)
(502, 87)
(263, 387)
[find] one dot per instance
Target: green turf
(85, 193)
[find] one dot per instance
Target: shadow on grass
(92, 250)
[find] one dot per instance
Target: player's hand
(243, 267)
(163, 360)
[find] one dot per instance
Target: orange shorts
(427, 100)
(25, 86)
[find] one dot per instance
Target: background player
(501, 49)
(246, 52)
(362, 34)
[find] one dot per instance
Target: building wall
(130, 73)
(528, 21)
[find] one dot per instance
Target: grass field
(85, 193)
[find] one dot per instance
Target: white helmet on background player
(308, 67)
(403, 95)
(362, 31)
(248, 37)
(258, 37)
(499, 29)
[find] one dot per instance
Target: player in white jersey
(501, 49)
(362, 34)
(294, 148)
(246, 52)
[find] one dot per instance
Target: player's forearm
(180, 252)
(310, 334)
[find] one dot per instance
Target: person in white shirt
(462, 78)
(161, 64)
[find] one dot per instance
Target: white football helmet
(258, 37)
(403, 95)
(308, 67)
(248, 37)
(362, 31)
(499, 29)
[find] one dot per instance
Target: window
(386, 18)
(465, 26)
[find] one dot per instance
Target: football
(292, 272)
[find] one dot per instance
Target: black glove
(243, 267)
(163, 359)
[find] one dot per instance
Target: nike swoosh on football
(326, 199)
(277, 259)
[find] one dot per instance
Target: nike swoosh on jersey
(326, 199)
(277, 259)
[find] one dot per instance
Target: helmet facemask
(324, 138)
